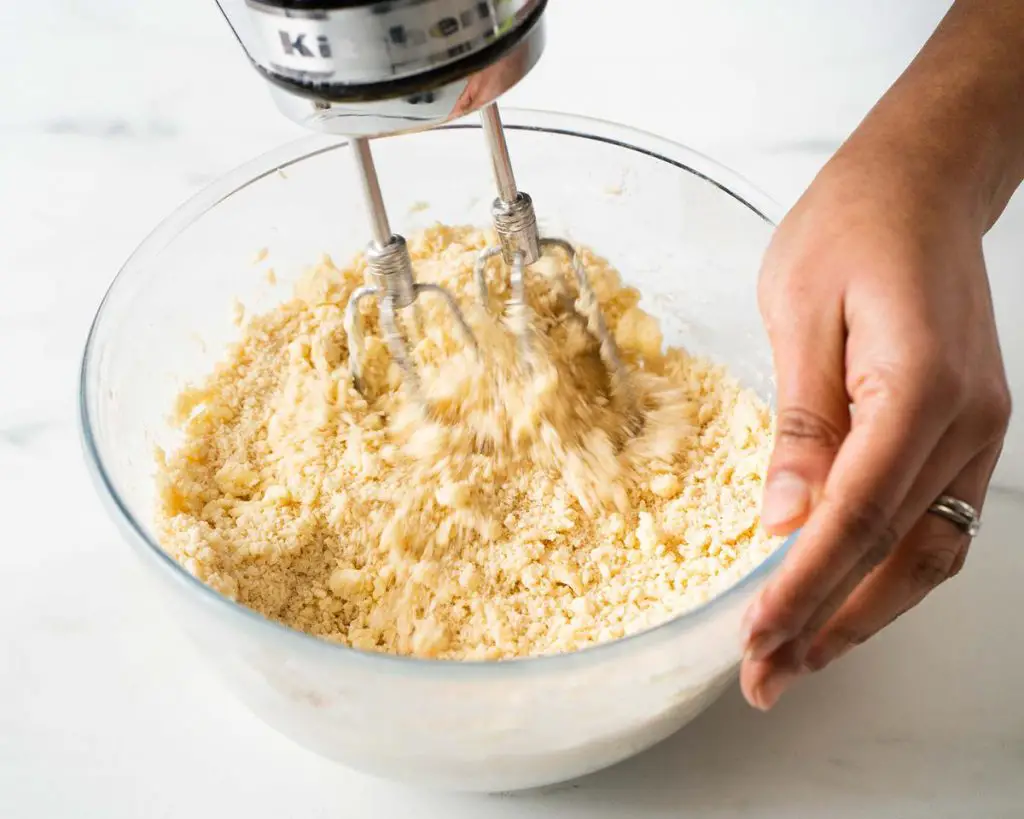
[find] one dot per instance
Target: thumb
(813, 416)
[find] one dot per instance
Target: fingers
(934, 551)
(943, 466)
(813, 411)
(896, 427)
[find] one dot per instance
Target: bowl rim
(281, 157)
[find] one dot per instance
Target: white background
(114, 111)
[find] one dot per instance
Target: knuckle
(878, 383)
(926, 381)
(932, 565)
(941, 383)
(958, 564)
(937, 374)
(992, 410)
(866, 528)
(947, 387)
(798, 425)
(878, 550)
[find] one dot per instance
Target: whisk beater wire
(391, 284)
(519, 245)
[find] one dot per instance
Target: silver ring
(958, 512)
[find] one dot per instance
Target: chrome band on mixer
(384, 67)
(378, 42)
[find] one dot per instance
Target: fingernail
(787, 499)
(763, 643)
(772, 688)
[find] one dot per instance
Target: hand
(874, 293)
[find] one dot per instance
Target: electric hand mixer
(371, 68)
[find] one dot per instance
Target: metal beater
(394, 288)
(515, 222)
(371, 68)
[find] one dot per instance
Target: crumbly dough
(517, 515)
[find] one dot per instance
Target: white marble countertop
(115, 111)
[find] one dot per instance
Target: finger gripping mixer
(372, 68)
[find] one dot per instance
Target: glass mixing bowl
(687, 232)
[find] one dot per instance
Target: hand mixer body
(377, 67)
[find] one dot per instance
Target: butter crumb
(519, 520)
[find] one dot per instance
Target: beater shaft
(392, 284)
(372, 195)
(512, 212)
(495, 134)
